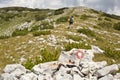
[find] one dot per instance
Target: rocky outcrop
(76, 64)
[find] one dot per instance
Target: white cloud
(111, 6)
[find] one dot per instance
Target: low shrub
(87, 32)
(59, 11)
(29, 64)
(107, 19)
(73, 37)
(35, 28)
(70, 46)
(100, 19)
(94, 11)
(111, 16)
(105, 24)
(116, 26)
(112, 53)
(4, 37)
(84, 17)
(38, 33)
(46, 55)
(62, 19)
(20, 32)
(40, 17)
(46, 25)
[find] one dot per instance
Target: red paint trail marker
(79, 54)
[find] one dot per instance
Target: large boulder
(107, 77)
(45, 77)
(107, 70)
(43, 67)
(7, 76)
(29, 76)
(117, 76)
(12, 67)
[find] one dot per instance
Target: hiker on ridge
(71, 21)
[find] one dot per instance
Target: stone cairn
(76, 64)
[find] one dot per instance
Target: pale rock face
(107, 77)
(117, 76)
(7, 76)
(96, 49)
(45, 67)
(106, 70)
(29, 76)
(12, 67)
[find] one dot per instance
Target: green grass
(47, 56)
(85, 17)
(87, 32)
(4, 37)
(117, 26)
(46, 25)
(69, 46)
(102, 57)
(74, 37)
(105, 24)
(38, 33)
(20, 32)
(62, 20)
(59, 11)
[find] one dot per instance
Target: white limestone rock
(29, 76)
(43, 67)
(117, 76)
(12, 67)
(107, 70)
(7, 76)
(107, 77)
(17, 73)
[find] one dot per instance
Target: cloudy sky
(110, 6)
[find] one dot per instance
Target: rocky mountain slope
(33, 36)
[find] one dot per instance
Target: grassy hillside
(31, 36)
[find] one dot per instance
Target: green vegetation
(4, 37)
(39, 17)
(112, 53)
(30, 48)
(87, 32)
(84, 17)
(46, 56)
(46, 25)
(100, 19)
(38, 33)
(105, 24)
(117, 26)
(62, 19)
(35, 28)
(107, 19)
(70, 46)
(74, 37)
(111, 16)
(20, 32)
(102, 57)
(59, 11)
(94, 11)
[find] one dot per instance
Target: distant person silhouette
(71, 21)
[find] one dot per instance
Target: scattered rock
(12, 67)
(107, 77)
(107, 70)
(117, 76)
(76, 64)
(29, 76)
